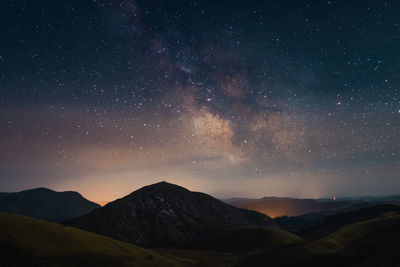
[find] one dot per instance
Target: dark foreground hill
(321, 223)
(46, 204)
(369, 243)
(30, 242)
(247, 239)
(164, 215)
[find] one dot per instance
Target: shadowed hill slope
(369, 242)
(46, 204)
(247, 239)
(164, 214)
(29, 242)
(321, 223)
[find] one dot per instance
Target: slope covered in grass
(372, 242)
(378, 231)
(26, 241)
(320, 224)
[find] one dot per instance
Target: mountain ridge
(46, 204)
(165, 214)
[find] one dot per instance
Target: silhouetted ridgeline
(46, 204)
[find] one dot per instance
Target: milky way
(234, 98)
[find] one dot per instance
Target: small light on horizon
(334, 198)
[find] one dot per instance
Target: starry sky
(232, 98)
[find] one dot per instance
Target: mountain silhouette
(46, 204)
(281, 206)
(285, 206)
(166, 215)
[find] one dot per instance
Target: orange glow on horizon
(102, 202)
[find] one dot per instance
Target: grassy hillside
(372, 242)
(26, 241)
(319, 224)
(332, 223)
(378, 231)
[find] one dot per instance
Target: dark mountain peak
(165, 214)
(161, 187)
(154, 193)
(46, 204)
(163, 184)
(38, 190)
(46, 192)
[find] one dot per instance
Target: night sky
(232, 98)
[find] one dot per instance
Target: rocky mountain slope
(165, 215)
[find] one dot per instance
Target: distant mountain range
(278, 206)
(275, 206)
(386, 199)
(46, 204)
(166, 215)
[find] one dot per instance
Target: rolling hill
(46, 204)
(29, 242)
(368, 242)
(166, 215)
(321, 223)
